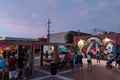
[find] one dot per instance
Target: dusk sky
(28, 18)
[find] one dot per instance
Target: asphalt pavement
(99, 72)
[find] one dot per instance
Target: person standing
(12, 67)
(98, 56)
(68, 57)
(75, 61)
(110, 59)
(118, 62)
(89, 61)
(80, 60)
(2, 66)
(46, 55)
(21, 62)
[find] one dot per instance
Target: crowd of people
(75, 59)
(113, 58)
(13, 65)
(8, 64)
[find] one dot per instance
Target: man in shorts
(89, 61)
(80, 60)
(98, 56)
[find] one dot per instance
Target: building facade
(58, 37)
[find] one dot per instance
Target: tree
(70, 35)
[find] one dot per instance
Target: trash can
(53, 68)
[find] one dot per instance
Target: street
(99, 72)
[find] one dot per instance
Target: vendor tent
(63, 49)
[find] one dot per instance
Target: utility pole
(48, 35)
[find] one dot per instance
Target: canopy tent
(63, 50)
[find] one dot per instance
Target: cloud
(29, 17)
(24, 18)
(86, 15)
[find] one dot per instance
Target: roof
(58, 37)
(17, 39)
(59, 33)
